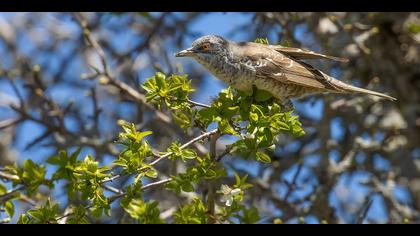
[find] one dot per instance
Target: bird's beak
(185, 53)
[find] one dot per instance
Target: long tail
(354, 89)
(342, 87)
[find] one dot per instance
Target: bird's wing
(289, 71)
(270, 63)
(299, 53)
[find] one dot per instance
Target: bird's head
(205, 48)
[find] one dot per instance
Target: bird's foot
(286, 105)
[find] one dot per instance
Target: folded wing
(305, 54)
(289, 71)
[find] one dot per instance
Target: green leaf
(140, 135)
(96, 211)
(187, 187)
(182, 119)
(184, 181)
(192, 213)
(208, 113)
(414, 28)
(89, 175)
(78, 215)
(47, 213)
(185, 154)
(253, 116)
(32, 175)
(3, 190)
(74, 155)
(226, 128)
(241, 182)
(262, 40)
(144, 14)
(145, 213)
(188, 154)
(10, 208)
(260, 156)
(237, 180)
(100, 204)
(24, 219)
(249, 216)
(66, 164)
(266, 138)
(151, 171)
(54, 160)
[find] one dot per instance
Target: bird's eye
(205, 47)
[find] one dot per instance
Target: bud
(249, 136)
(103, 80)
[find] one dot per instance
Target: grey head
(206, 48)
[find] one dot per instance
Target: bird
(277, 69)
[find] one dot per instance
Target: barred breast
(281, 90)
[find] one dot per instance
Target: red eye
(205, 47)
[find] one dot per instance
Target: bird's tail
(347, 88)
(354, 89)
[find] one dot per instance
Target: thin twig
(164, 181)
(198, 138)
(211, 185)
(293, 184)
(92, 41)
(198, 104)
(227, 151)
(10, 177)
(25, 198)
(96, 111)
(112, 178)
(9, 122)
(112, 189)
(364, 212)
(9, 195)
(147, 186)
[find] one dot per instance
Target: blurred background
(361, 155)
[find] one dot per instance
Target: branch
(110, 80)
(198, 104)
(112, 189)
(8, 176)
(201, 137)
(156, 183)
(211, 185)
(9, 195)
(364, 211)
(160, 158)
(292, 186)
(227, 151)
(92, 41)
(9, 122)
(110, 179)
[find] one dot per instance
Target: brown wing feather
(299, 53)
(289, 71)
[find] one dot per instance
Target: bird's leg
(286, 104)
